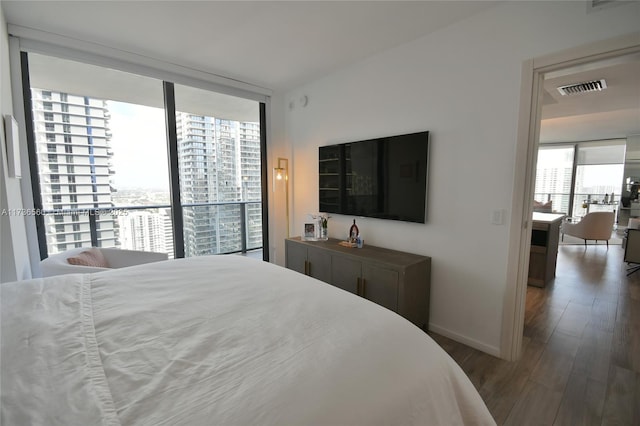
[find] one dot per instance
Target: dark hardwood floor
(581, 348)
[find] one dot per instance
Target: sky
(139, 146)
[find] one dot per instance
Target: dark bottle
(353, 232)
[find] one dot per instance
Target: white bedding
(218, 340)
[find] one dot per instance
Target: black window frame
(170, 122)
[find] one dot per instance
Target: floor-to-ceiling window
(554, 176)
(598, 183)
(581, 177)
(101, 159)
(218, 138)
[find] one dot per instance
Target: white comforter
(219, 340)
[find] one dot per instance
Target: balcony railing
(562, 202)
(232, 217)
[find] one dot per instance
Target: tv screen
(384, 178)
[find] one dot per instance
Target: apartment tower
(74, 163)
(219, 172)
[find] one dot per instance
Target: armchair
(57, 264)
(594, 226)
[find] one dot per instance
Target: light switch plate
(497, 217)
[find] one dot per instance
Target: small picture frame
(309, 231)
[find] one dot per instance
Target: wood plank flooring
(581, 348)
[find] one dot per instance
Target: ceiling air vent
(585, 87)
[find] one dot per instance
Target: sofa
(58, 263)
(543, 207)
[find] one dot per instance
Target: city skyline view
(97, 154)
(595, 178)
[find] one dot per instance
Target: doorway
(529, 133)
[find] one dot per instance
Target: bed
(218, 340)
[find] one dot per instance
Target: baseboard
(491, 350)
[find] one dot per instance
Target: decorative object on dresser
(353, 232)
(396, 280)
(316, 228)
(348, 244)
(310, 231)
(324, 226)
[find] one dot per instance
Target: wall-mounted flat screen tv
(384, 178)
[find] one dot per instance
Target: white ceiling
(277, 45)
(611, 113)
(282, 45)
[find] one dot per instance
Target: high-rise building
(250, 167)
(219, 163)
(555, 180)
(147, 231)
(220, 181)
(74, 163)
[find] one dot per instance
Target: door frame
(528, 134)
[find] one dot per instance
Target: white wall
(14, 254)
(463, 85)
(277, 147)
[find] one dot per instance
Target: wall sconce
(281, 174)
